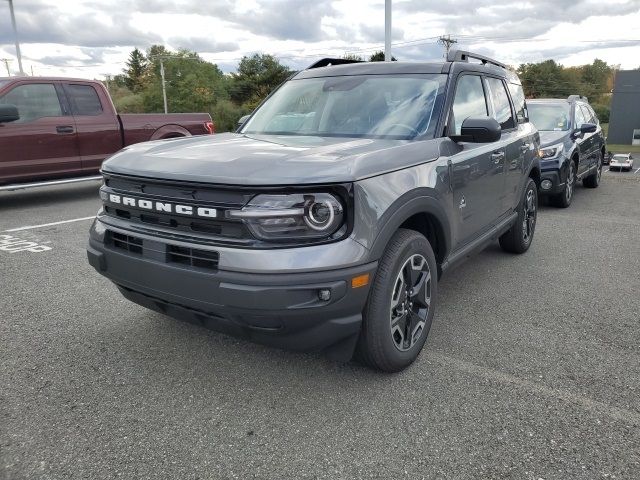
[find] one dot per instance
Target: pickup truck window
(84, 100)
(361, 106)
(501, 105)
(468, 102)
(33, 101)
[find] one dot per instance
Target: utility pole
(387, 30)
(447, 41)
(164, 90)
(15, 33)
(6, 64)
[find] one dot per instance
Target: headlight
(547, 153)
(299, 216)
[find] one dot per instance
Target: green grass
(613, 148)
(623, 148)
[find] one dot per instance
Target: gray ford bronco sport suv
(326, 221)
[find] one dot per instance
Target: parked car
(573, 146)
(62, 127)
(326, 221)
(622, 161)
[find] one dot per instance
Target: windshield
(549, 116)
(366, 106)
(620, 157)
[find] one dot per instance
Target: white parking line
(638, 170)
(29, 227)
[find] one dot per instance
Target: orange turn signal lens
(360, 281)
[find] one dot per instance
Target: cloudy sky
(92, 38)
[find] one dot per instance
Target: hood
(551, 137)
(237, 159)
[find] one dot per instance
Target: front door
(477, 169)
(43, 142)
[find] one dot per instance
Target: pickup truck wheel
(398, 313)
(518, 238)
(592, 181)
(563, 199)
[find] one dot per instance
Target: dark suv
(327, 220)
(573, 146)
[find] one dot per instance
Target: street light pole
(164, 90)
(387, 30)
(15, 33)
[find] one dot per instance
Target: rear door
(513, 141)
(43, 142)
(583, 142)
(97, 125)
(477, 168)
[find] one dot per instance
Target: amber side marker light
(360, 281)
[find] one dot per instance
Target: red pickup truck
(60, 127)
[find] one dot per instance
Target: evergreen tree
(135, 71)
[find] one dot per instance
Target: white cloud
(91, 38)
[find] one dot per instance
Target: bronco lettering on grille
(163, 206)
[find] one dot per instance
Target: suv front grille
(191, 257)
(220, 198)
(126, 242)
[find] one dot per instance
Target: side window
(84, 100)
(517, 95)
(594, 117)
(579, 116)
(35, 100)
(587, 114)
(500, 101)
(469, 101)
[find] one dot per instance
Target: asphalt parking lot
(531, 370)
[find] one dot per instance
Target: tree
(379, 57)
(192, 84)
(353, 56)
(136, 69)
(256, 77)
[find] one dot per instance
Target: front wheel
(563, 199)
(397, 316)
(518, 238)
(592, 181)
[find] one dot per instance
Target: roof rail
(325, 62)
(577, 97)
(455, 55)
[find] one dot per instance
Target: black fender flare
(412, 203)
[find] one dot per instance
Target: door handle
(64, 129)
(524, 147)
(497, 157)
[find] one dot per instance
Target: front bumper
(279, 309)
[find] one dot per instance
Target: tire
(563, 199)
(393, 336)
(519, 237)
(592, 181)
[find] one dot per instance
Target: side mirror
(588, 128)
(242, 120)
(479, 130)
(8, 113)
